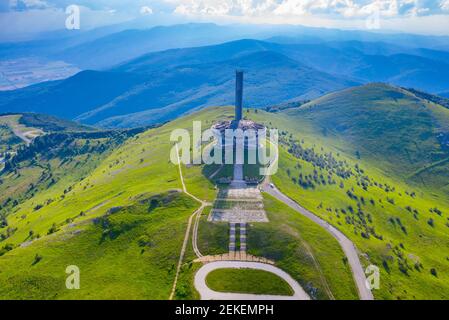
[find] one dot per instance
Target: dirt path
(196, 214)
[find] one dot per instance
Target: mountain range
(158, 86)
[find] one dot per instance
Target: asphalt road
(207, 294)
(346, 244)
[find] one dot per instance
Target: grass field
(213, 237)
(137, 170)
(247, 281)
(124, 255)
(302, 249)
(387, 194)
(363, 183)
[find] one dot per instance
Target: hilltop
(387, 125)
(351, 157)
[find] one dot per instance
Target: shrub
(433, 272)
(53, 229)
(37, 258)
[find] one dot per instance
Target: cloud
(23, 5)
(40, 14)
(330, 8)
(445, 5)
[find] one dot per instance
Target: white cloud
(321, 13)
(22, 5)
(332, 8)
(445, 5)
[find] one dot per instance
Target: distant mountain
(161, 86)
(126, 45)
(196, 55)
(444, 94)
(320, 35)
(270, 78)
(423, 69)
(70, 97)
(362, 62)
(105, 47)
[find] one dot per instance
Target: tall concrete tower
(238, 95)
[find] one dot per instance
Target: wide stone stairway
(238, 204)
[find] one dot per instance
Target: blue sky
(418, 16)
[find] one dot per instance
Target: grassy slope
(137, 170)
(8, 140)
(213, 237)
(125, 255)
(377, 118)
(51, 166)
(247, 281)
(140, 167)
(304, 250)
(401, 241)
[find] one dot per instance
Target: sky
(25, 17)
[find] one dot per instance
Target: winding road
(208, 294)
(200, 278)
(347, 245)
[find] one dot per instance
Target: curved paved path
(208, 294)
(346, 244)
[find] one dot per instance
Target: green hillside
(116, 219)
(74, 217)
(369, 160)
(381, 123)
(17, 129)
(353, 158)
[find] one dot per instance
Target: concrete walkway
(243, 237)
(238, 172)
(207, 294)
(231, 237)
